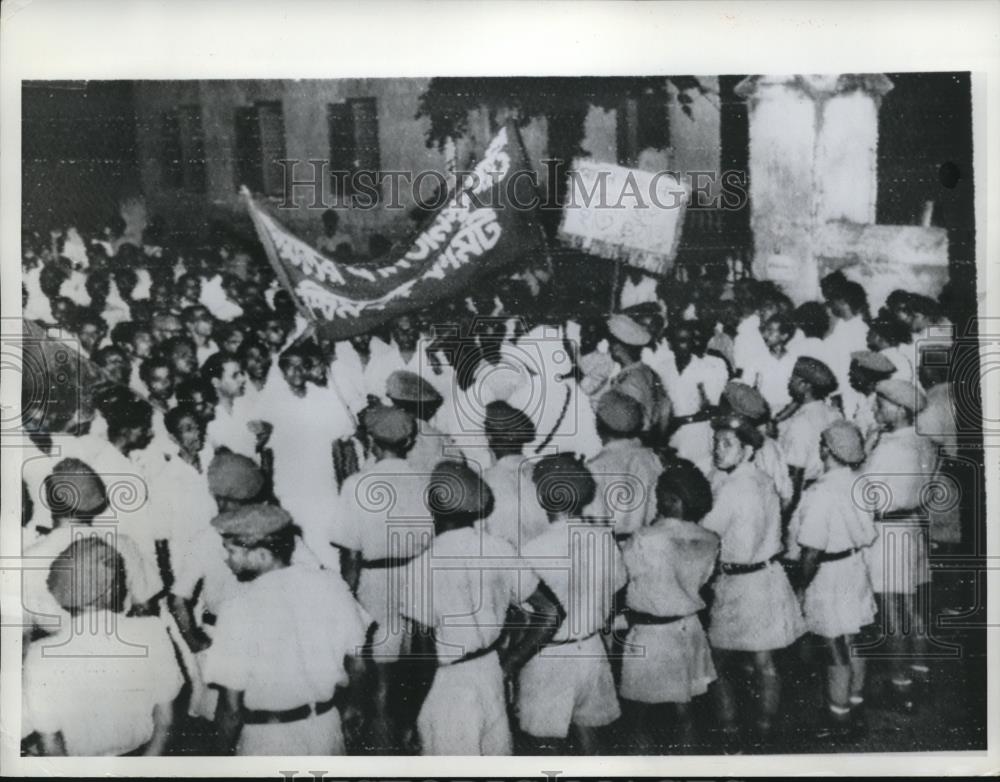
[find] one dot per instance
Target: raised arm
(539, 626)
(163, 720)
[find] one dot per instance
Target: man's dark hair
(189, 313)
(127, 413)
(215, 364)
(98, 285)
(225, 330)
(682, 480)
(125, 280)
(853, 294)
(919, 304)
(281, 543)
(123, 332)
(169, 345)
(101, 356)
(174, 416)
(292, 351)
(331, 221)
(51, 278)
(813, 318)
(785, 324)
(891, 330)
(154, 361)
(86, 316)
(184, 279)
(251, 343)
(564, 483)
(831, 285)
(186, 390)
(508, 429)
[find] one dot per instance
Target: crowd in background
(502, 524)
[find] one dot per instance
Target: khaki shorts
(567, 684)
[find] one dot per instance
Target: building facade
(198, 142)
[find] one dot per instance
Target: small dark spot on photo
(949, 174)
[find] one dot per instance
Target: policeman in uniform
(105, 683)
(898, 470)
(625, 470)
(636, 379)
(833, 531)
(462, 603)
(287, 648)
(412, 393)
(866, 370)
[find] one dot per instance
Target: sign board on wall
(885, 257)
(624, 214)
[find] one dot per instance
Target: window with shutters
(171, 151)
(355, 157)
(643, 123)
(182, 149)
(260, 142)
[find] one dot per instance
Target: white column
(813, 145)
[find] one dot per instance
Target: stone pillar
(813, 144)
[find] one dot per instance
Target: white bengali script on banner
(479, 232)
(301, 255)
(329, 305)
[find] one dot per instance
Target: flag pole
(615, 280)
(272, 255)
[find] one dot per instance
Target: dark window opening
(643, 124)
(182, 149)
(260, 142)
(355, 158)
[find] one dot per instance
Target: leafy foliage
(448, 100)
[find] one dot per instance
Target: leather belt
(566, 641)
(479, 652)
(833, 556)
(642, 618)
(385, 563)
(738, 569)
(264, 717)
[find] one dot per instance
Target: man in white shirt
(199, 324)
(890, 338)
(770, 372)
(694, 384)
(407, 351)
(306, 423)
(848, 334)
(231, 426)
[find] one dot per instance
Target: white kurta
(304, 477)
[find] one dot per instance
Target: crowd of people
(495, 526)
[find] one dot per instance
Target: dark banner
(478, 230)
